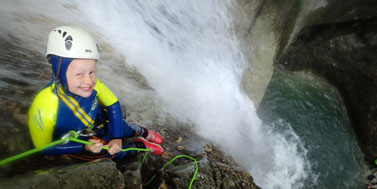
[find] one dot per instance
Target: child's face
(81, 77)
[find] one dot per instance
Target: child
(76, 100)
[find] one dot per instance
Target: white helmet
(72, 42)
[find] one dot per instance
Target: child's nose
(88, 80)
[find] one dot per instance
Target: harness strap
(75, 107)
(89, 157)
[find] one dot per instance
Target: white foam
(188, 54)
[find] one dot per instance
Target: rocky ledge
(216, 170)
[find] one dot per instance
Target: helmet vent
(68, 45)
(60, 31)
(68, 41)
(69, 38)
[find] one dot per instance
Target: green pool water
(316, 113)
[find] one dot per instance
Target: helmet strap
(57, 80)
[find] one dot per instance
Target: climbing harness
(86, 132)
(73, 136)
(75, 107)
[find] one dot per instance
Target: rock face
(335, 39)
(345, 54)
(216, 169)
(259, 26)
(98, 174)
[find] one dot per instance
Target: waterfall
(188, 54)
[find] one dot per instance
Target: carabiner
(69, 134)
(86, 132)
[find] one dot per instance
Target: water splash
(189, 55)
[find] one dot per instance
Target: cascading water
(188, 54)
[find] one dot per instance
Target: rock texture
(98, 174)
(345, 54)
(259, 26)
(215, 169)
(334, 39)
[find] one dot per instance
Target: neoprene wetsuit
(55, 111)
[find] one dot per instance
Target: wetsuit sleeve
(42, 117)
(41, 122)
(104, 94)
(114, 111)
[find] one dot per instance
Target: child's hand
(96, 147)
(115, 146)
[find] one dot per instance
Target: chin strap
(56, 76)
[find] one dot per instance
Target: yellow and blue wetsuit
(55, 111)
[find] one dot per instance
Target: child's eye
(79, 75)
(91, 73)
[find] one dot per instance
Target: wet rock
(208, 148)
(180, 148)
(11, 106)
(32, 55)
(216, 170)
(179, 140)
(345, 54)
(163, 186)
(97, 174)
(16, 110)
(211, 174)
(167, 155)
(130, 168)
(20, 80)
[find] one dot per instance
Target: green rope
(72, 138)
(75, 139)
(144, 157)
(171, 161)
(107, 148)
(19, 156)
